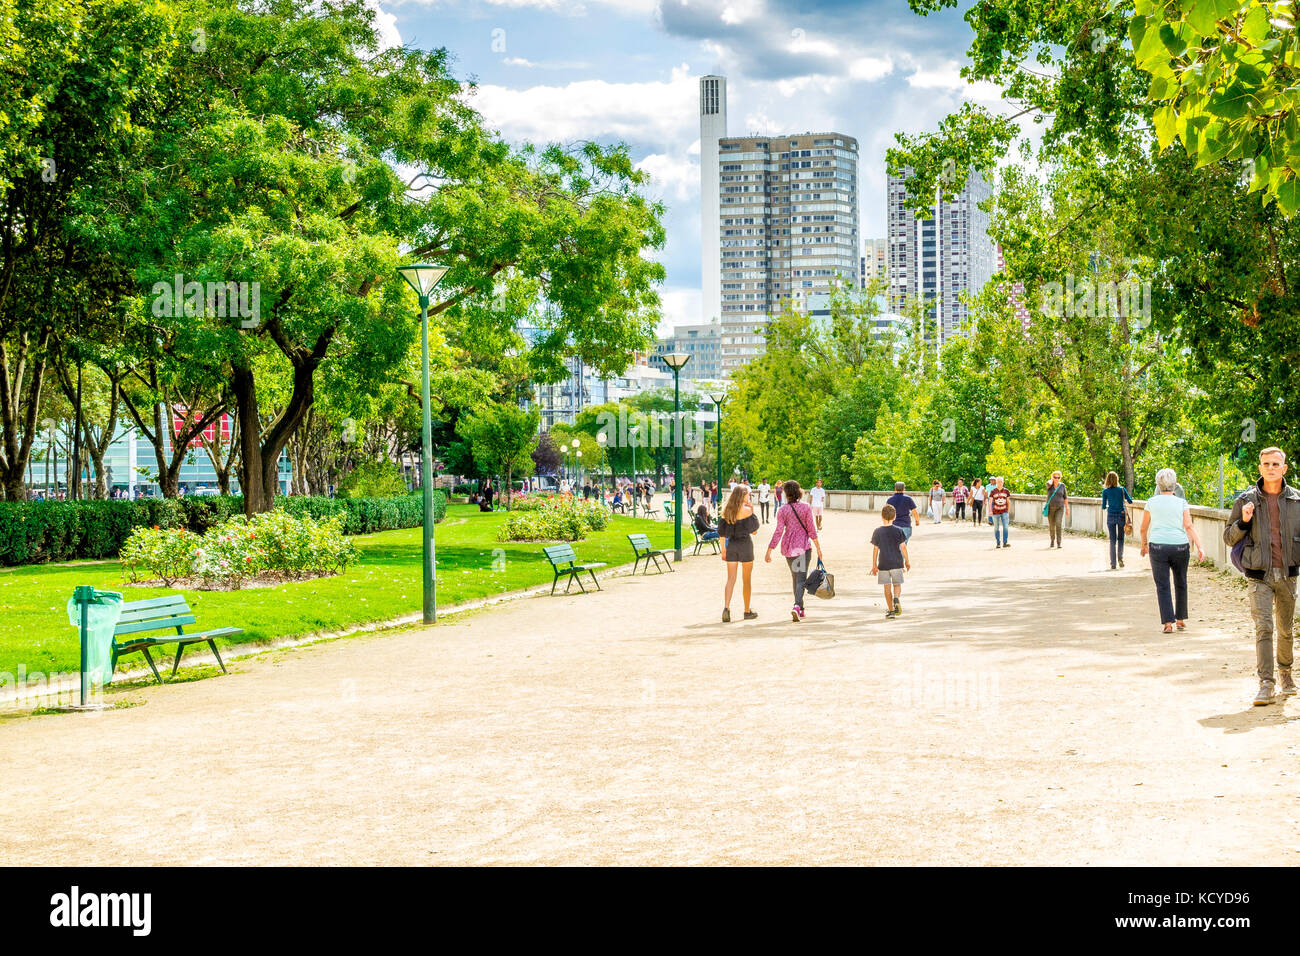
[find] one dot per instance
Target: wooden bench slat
(135, 627)
(153, 602)
(154, 613)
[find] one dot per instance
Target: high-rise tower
(713, 127)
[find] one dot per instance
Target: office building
(785, 226)
(704, 345)
(940, 258)
(875, 261)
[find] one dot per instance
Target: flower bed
(267, 548)
(554, 518)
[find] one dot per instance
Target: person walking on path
(797, 536)
(959, 495)
(765, 500)
(1264, 532)
(778, 492)
(888, 558)
(1058, 507)
(1000, 512)
(904, 509)
(977, 495)
(1166, 530)
(817, 499)
(937, 496)
(737, 526)
(1115, 500)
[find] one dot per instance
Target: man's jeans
(1272, 599)
(1166, 559)
(1115, 529)
(1001, 523)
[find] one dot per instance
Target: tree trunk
(1126, 455)
(260, 455)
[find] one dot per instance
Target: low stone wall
(1086, 516)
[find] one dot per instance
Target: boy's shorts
(893, 576)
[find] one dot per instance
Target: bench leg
(213, 644)
(577, 576)
(180, 649)
(149, 658)
(554, 583)
(594, 581)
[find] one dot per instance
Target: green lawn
(384, 584)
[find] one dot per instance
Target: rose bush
(237, 550)
(554, 518)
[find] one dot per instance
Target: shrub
(373, 479)
(33, 532)
(166, 553)
(554, 519)
(241, 548)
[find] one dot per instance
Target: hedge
(34, 532)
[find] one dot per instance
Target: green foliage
(560, 518)
(35, 532)
(230, 553)
(373, 479)
(502, 436)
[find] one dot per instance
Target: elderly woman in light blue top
(1166, 531)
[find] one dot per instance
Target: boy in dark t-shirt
(889, 558)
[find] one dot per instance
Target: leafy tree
(502, 437)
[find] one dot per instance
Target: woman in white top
(1166, 529)
(977, 494)
(765, 499)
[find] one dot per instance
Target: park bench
(649, 510)
(140, 618)
(563, 561)
(644, 552)
(700, 542)
(668, 511)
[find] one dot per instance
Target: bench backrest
(668, 508)
(560, 554)
(640, 542)
(158, 614)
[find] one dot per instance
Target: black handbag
(819, 581)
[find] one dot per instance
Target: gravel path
(1025, 709)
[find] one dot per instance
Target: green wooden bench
(141, 618)
(700, 542)
(644, 552)
(563, 561)
(649, 510)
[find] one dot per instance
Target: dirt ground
(1026, 709)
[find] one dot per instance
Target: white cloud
(672, 177)
(576, 8)
(545, 65)
(681, 306)
(587, 109)
(738, 11)
(385, 26)
(870, 68)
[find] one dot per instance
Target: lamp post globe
(424, 278)
(675, 361)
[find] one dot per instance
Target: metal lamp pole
(675, 361)
(424, 278)
(718, 398)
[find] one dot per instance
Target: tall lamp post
(718, 398)
(424, 278)
(675, 361)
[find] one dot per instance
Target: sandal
(726, 615)
(1181, 625)
(1168, 629)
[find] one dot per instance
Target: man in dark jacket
(1268, 517)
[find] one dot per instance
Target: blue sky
(628, 70)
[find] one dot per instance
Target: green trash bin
(95, 614)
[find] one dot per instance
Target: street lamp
(601, 439)
(718, 398)
(633, 436)
(578, 466)
(424, 278)
(675, 361)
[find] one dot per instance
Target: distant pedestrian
(765, 500)
(888, 559)
(959, 495)
(1264, 532)
(905, 513)
(797, 536)
(737, 526)
(1000, 512)
(778, 492)
(817, 500)
(1166, 530)
(1057, 508)
(977, 496)
(1115, 500)
(937, 496)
